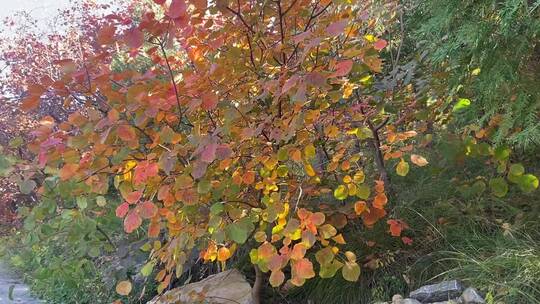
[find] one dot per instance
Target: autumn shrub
(286, 132)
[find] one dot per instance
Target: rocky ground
(447, 292)
(12, 290)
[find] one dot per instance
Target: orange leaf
(418, 160)
(147, 209)
(249, 177)
(374, 215)
(154, 229)
(223, 254)
(379, 186)
(396, 226)
(380, 200)
(276, 278)
(360, 207)
(68, 171)
(123, 288)
(303, 268)
(30, 103)
(298, 252)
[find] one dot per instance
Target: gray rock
(471, 296)
(409, 301)
(453, 301)
(397, 298)
(443, 291)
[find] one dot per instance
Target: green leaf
(341, 192)
(282, 171)
(363, 133)
(147, 269)
(515, 172)
(461, 104)
(498, 186)
(82, 203)
(6, 165)
(516, 169)
(237, 233)
(283, 154)
(363, 191)
(324, 256)
(27, 186)
(528, 183)
(101, 201)
(203, 186)
(329, 270)
(502, 153)
(216, 208)
(478, 187)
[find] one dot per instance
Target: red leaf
(122, 210)
(223, 151)
(407, 240)
(291, 82)
(147, 209)
(133, 197)
(134, 38)
(177, 9)
(380, 44)
(160, 2)
(126, 132)
(208, 154)
(132, 221)
(336, 28)
(199, 169)
(343, 68)
(209, 101)
(106, 34)
(144, 170)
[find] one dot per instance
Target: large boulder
(443, 291)
(226, 287)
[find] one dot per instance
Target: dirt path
(21, 292)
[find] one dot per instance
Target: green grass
(492, 244)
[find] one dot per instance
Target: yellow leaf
(309, 151)
(351, 271)
(402, 168)
(309, 170)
